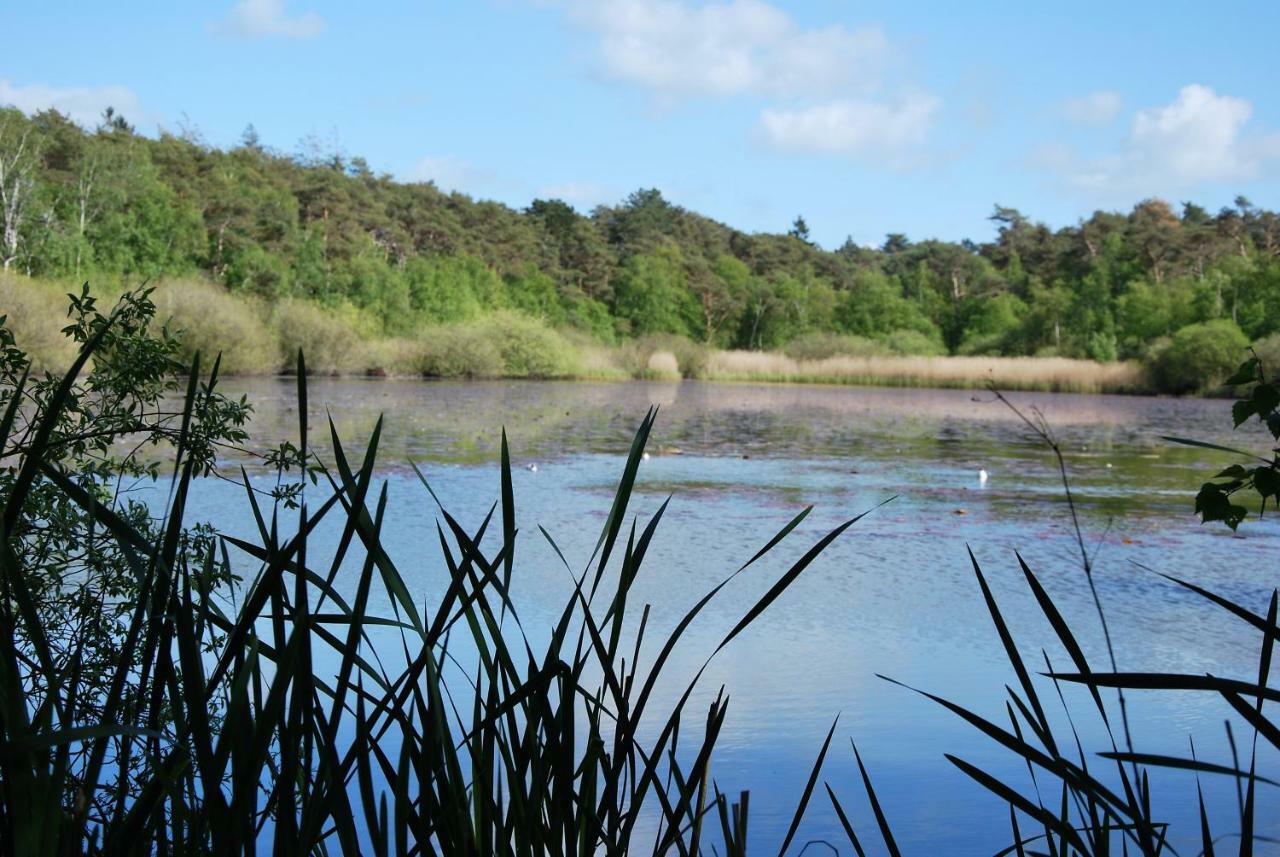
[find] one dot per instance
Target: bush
(1199, 357)
(529, 348)
(459, 352)
(35, 315)
(503, 345)
(822, 346)
(331, 339)
(662, 365)
(211, 320)
(1268, 351)
(397, 356)
(914, 343)
(690, 358)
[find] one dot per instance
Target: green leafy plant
(1260, 399)
(302, 722)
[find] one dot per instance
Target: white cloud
(582, 195)
(450, 174)
(1199, 137)
(854, 127)
(83, 104)
(254, 19)
(734, 47)
(1096, 108)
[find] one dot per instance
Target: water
(896, 595)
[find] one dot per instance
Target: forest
(393, 258)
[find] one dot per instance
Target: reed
(232, 740)
(1054, 374)
(461, 737)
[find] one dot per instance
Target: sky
(863, 117)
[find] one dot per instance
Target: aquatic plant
(451, 735)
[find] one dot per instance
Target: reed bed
(260, 339)
(1051, 374)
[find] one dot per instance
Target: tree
(651, 294)
(1199, 357)
(895, 242)
(800, 229)
(18, 160)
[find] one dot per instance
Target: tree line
(318, 224)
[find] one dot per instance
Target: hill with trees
(318, 226)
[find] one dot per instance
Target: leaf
(1205, 445)
(1265, 399)
(1266, 480)
(1213, 504)
(1246, 374)
(1242, 410)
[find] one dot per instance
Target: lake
(895, 595)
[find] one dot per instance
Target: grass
(1054, 374)
(459, 737)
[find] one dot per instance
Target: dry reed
(1055, 374)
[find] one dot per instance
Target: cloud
(83, 104)
(1199, 137)
(677, 49)
(855, 127)
(1096, 108)
(255, 19)
(451, 174)
(582, 195)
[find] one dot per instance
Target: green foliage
(460, 352)
(331, 338)
(527, 347)
(69, 449)
(324, 226)
(993, 326)
(36, 316)
(1199, 357)
(915, 343)
(208, 320)
(1260, 398)
(504, 344)
(821, 346)
(651, 295)
(638, 356)
(204, 724)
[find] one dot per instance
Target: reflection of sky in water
(895, 595)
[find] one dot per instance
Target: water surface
(895, 595)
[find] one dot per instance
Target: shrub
(528, 348)
(684, 357)
(661, 365)
(1268, 351)
(822, 346)
(35, 315)
(211, 320)
(399, 356)
(1199, 357)
(331, 339)
(914, 343)
(459, 352)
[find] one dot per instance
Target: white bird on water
(982, 476)
(532, 468)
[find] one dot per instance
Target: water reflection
(895, 595)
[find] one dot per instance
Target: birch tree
(17, 181)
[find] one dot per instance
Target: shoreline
(1032, 385)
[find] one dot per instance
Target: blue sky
(866, 118)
